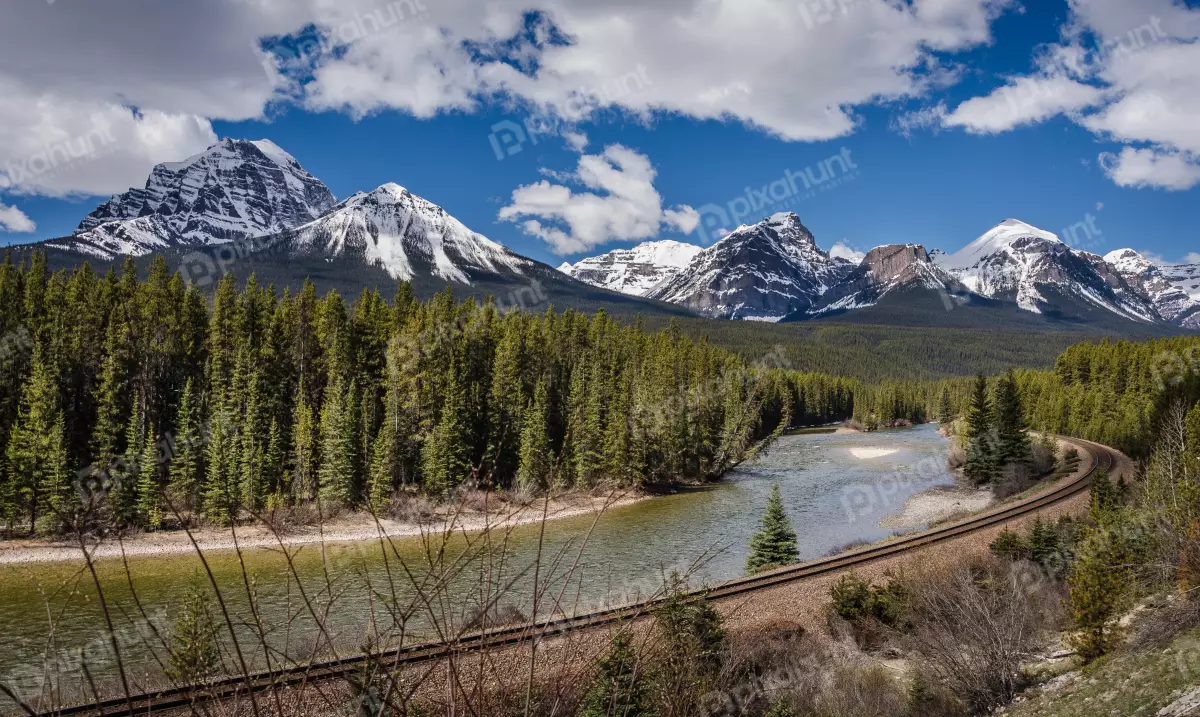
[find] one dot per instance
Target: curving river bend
(835, 487)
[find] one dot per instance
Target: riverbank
(939, 504)
(356, 527)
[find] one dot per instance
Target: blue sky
(939, 152)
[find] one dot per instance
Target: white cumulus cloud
(1152, 168)
(1126, 71)
(1023, 101)
(842, 250)
(13, 219)
(622, 205)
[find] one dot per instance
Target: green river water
(835, 487)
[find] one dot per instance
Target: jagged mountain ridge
(234, 190)
(763, 271)
(1018, 262)
(1166, 287)
(885, 269)
(635, 271)
(1014, 265)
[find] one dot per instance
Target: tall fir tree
(443, 457)
(981, 465)
(945, 408)
(39, 482)
(305, 440)
(1012, 432)
(220, 497)
(775, 542)
(336, 472)
(536, 460)
(187, 464)
(126, 476)
(149, 489)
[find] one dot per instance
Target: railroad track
(1102, 457)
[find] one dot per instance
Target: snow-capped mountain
(885, 269)
(235, 189)
(1170, 297)
(634, 271)
(1015, 261)
(405, 235)
(760, 272)
(1184, 276)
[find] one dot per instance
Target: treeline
(1114, 393)
(877, 353)
(891, 404)
(129, 400)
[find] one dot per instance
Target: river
(835, 487)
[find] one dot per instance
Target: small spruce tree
(621, 686)
(945, 409)
(775, 543)
(194, 655)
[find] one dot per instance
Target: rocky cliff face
(234, 190)
(883, 270)
(1170, 298)
(760, 272)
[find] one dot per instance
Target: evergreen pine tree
(149, 504)
(304, 449)
(127, 474)
(194, 653)
(981, 465)
(220, 484)
(621, 686)
(39, 482)
(186, 466)
(536, 462)
(336, 471)
(945, 409)
(443, 459)
(1012, 437)
(775, 543)
(274, 458)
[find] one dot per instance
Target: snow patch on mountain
(634, 271)
(406, 235)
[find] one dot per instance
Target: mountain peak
(236, 189)
(407, 236)
(762, 271)
(1000, 238)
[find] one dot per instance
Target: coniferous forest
(135, 401)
